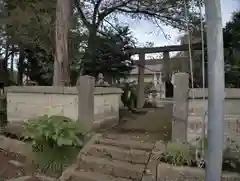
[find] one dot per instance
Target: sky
(146, 31)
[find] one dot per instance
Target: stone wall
(198, 106)
(28, 102)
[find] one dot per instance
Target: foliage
(231, 154)
(129, 96)
(53, 131)
(178, 153)
(231, 54)
(54, 160)
(172, 13)
(31, 22)
(29, 25)
(232, 51)
(112, 59)
(56, 141)
(95, 13)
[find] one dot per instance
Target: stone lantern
(154, 92)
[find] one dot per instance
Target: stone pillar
(140, 86)
(86, 88)
(166, 66)
(180, 107)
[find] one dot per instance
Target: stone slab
(130, 144)
(94, 176)
(112, 167)
(174, 173)
(59, 90)
(116, 153)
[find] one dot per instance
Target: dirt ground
(13, 165)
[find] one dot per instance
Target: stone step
(140, 136)
(195, 118)
(128, 144)
(112, 167)
(94, 176)
(129, 155)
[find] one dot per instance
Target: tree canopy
(95, 41)
(231, 36)
(232, 52)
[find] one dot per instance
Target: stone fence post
(180, 107)
(86, 88)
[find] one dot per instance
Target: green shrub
(56, 141)
(178, 153)
(202, 147)
(53, 131)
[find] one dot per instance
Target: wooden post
(140, 86)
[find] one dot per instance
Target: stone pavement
(114, 157)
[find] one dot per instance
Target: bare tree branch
(168, 20)
(96, 11)
(112, 9)
(83, 18)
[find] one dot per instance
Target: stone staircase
(111, 157)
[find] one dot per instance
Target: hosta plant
(54, 131)
(56, 141)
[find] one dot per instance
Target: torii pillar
(166, 66)
(140, 86)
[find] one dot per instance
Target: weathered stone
(23, 178)
(93, 176)
(167, 66)
(28, 102)
(158, 150)
(16, 163)
(116, 153)
(68, 172)
(152, 167)
(130, 144)
(85, 87)
(180, 107)
(140, 85)
(112, 167)
(15, 146)
(174, 173)
(148, 178)
(138, 137)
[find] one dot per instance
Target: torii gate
(165, 61)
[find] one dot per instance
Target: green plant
(129, 96)
(178, 153)
(55, 131)
(56, 141)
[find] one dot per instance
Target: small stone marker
(180, 107)
(86, 88)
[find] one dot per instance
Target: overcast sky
(145, 31)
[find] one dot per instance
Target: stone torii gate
(165, 61)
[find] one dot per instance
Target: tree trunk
(12, 61)
(90, 54)
(21, 66)
(5, 63)
(61, 75)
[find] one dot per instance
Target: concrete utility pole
(216, 91)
